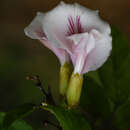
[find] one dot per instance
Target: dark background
(21, 56)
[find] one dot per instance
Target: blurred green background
(21, 56)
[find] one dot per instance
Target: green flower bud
(74, 89)
(65, 72)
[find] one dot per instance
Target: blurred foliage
(122, 116)
(115, 74)
(18, 61)
(16, 125)
(20, 112)
(68, 119)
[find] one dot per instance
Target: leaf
(2, 116)
(16, 125)
(107, 77)
(20, 125)
(114, 74)
(122, 116)
(94, 100)
(18, 113)
(68, 119)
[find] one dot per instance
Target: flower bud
(65, 72)
(74, 89)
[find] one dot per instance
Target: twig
(38, 83)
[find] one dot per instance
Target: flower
(75, 31)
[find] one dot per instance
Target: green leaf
(94, 99)
(2, 116)
(16, 125)
(122, 116)
(107, 77)
(20, 125)
(68, 119)
(18, 113)
(114, 74)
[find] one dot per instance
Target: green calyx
(74, 89)
(65, 72)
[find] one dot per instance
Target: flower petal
(90, 19)
(56, 28)
(69, 19)
(84, 47)
(99, 54)
(35, 30)
(62, 55)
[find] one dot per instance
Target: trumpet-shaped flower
(73, 31)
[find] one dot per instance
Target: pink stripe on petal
(72, 23)
(78, 24)
(71, 26)
(71, 31)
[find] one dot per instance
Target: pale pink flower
(75, 30)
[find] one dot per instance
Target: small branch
(38, 83)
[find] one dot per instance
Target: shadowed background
(21, 56)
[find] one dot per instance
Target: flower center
(74, 25)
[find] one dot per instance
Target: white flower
(71, 30)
